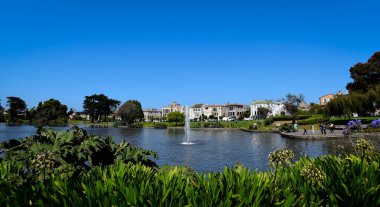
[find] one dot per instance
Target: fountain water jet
(187, 128)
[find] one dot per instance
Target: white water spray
(187, 127)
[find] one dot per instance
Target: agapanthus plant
(353, 125)
(375, 123)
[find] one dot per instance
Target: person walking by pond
(305, 129)
(312, 129)
(332, 127)
(321, 128)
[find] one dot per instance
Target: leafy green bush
(213, 125)
(137, 125)
(68, 154)
(314, 120)
(160, 126)
(268, 121)
(253, 127)
(287, 128)
(289, 118)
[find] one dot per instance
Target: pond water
(213, 149)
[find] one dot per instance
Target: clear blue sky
(189, 51)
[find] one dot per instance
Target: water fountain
(187, 128)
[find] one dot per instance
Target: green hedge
(160, 126)
(336, 121)
(344, 121)
(289, 118)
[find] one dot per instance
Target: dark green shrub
(287, 128)
(137, 125)
(253, 127)
(289, 118)
(313, 121)
(213, 125)
(160, 126)
(117, 124)
(268, 121)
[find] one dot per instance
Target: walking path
(317, 135)
(335, 135)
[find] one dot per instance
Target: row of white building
(198, 111)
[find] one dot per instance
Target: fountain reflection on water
(187, 128)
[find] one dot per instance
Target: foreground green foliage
(345, 180)
(67, 154)
(324, 181)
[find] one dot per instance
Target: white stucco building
(173, 107)
(152, 114)
(196, 111)
(215, 110)
(235, 109)
(275, 107)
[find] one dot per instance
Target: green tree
(17, 109)
(203, 117)
(292, 102)
(262, 112)
(130, 112)
(50, 112)
(98, 105)
(366, 76)
(176, 117)
(315, 109)
(245, 114)
(2, 118)
(360, 103)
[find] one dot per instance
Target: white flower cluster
(312, 174)
(364, 146)
(44, 164)
(281, 157)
